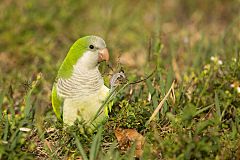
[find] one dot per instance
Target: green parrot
(79, 89)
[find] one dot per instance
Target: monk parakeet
(79, 90)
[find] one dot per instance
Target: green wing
(56, 102)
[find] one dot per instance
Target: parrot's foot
(117, 78)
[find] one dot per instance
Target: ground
(194, 43)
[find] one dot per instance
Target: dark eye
(91, 47)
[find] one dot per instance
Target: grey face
(96, 43)
(96, 52)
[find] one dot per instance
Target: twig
(160, 104)
(114, 92)
(139, 81)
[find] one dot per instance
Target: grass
(195, 43)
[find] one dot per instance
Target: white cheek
(88, 60)
(93, 56)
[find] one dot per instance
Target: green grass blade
(28, 104)
(12, 111)
(151, 89)
(96, 145)
(202, 110)
(80, 148)
(163, 92)
(14, 139)
(203, 125)
(1, 105)
(153, 93)
(110, 97)
(27, 98)
(6, 128)
(217, 104)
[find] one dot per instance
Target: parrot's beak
(103, 55)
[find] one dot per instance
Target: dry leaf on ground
(126, 136)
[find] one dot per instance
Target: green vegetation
(196, 43)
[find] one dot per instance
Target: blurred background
(195, 42)
(175, 34)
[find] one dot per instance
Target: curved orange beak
(103, 55)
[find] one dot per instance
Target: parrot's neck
(85, 80)
(88, 61)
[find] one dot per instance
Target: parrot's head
(87, 52)
(93, 49)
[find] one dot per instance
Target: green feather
(56, 102)
(66, 69)
(75, 52)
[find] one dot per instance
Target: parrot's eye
(91, 47)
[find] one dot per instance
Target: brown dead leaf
(126, 136)
(48, 144)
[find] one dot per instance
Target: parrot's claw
(117, 79)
